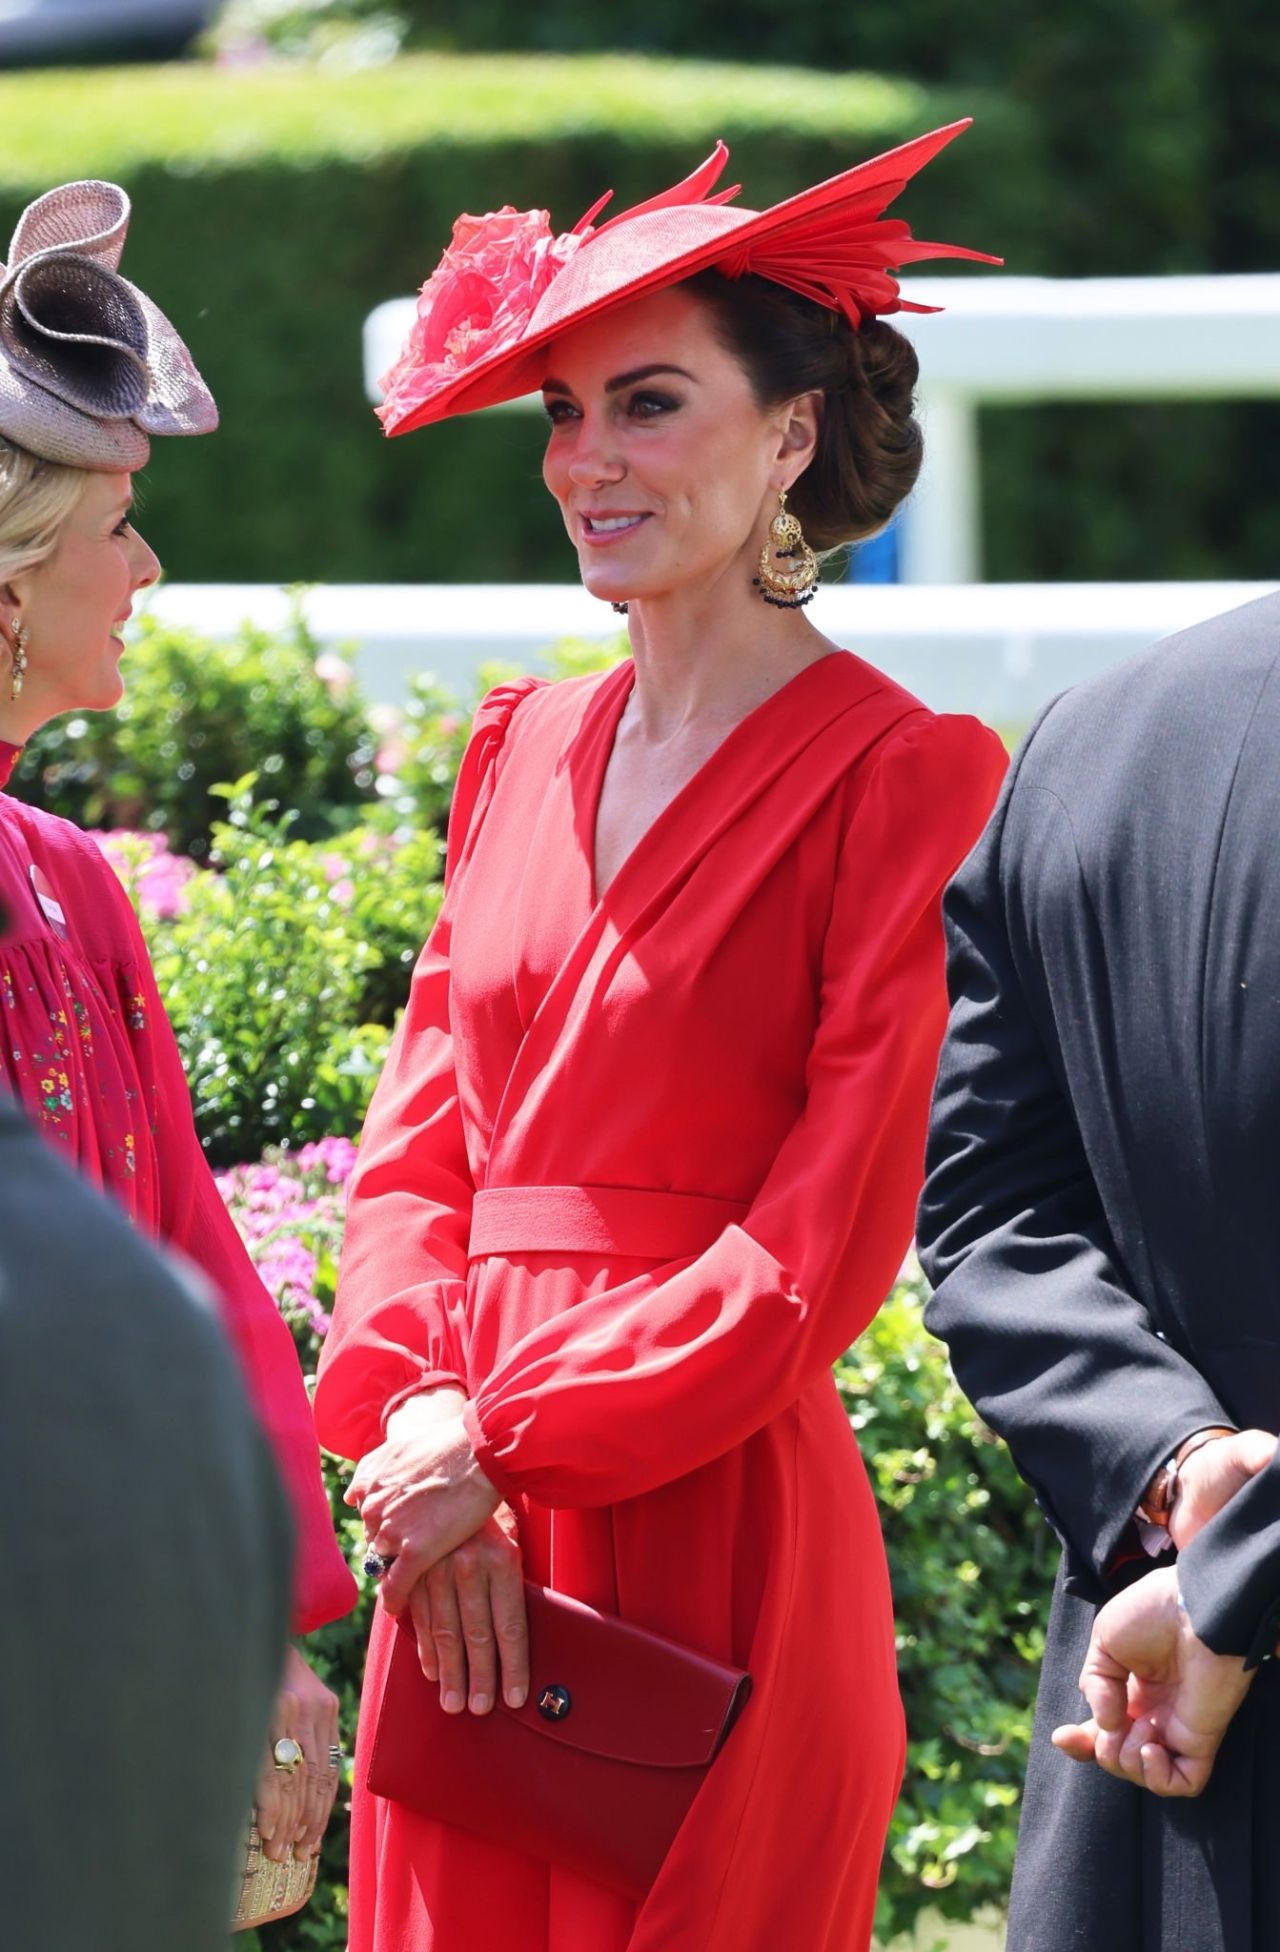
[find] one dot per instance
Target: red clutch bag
(598, 1769)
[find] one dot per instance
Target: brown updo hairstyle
(869, 444)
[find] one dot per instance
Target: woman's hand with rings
(468, 1613)
(299, 1776)
(421, 1495)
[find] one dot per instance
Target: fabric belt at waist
(630, 1221)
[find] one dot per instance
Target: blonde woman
(89, 369)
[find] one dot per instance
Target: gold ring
(287, 1754)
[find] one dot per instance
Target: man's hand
(1161, 1700)
(1211, 1477)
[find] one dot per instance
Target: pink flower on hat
(477, 301)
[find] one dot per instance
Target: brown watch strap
(1158, 1502)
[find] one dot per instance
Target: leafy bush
(972, 1566)
(276, 206)
(335, 34)
(422, 746)
(283, 971)
(192, 711)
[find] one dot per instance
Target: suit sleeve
(195, 1221)
(645, 1381)
(1046, 1336)
(399, 1321)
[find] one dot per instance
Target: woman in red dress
(644, 1157)
(88, 370)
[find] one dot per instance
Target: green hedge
(275, 208)
(194, 714)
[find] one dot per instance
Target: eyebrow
(622, 379)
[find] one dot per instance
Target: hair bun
(869, 447)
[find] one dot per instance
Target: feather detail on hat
(506, 286)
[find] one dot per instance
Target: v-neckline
(607, 733)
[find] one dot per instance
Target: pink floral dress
(86, 1048)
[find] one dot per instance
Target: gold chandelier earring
(787, 588)
(17, 676)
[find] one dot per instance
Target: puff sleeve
(399, 1323)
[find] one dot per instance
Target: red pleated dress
(86, 1048)
(640, 1168)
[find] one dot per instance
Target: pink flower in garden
(476, 302)
(388, 722)
(289, 1210)
(334, 672)
(391, 754)
(336, 1155)
(155, 879)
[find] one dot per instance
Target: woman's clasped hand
(293, 1800)
(453, 1556)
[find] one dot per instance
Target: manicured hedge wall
(275, 208)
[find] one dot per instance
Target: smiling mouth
(608, 528)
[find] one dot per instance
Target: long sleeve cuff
(428, 1380)
(484, 1454)
(1229, 1575)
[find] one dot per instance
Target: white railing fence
(1011, 340)
(998, 649)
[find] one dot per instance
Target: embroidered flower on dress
(55, 1094)
(137, 1012)
(477, 301)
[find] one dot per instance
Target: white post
(940, 525)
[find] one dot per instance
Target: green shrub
(283, 972)
(972, 1565)
(276, 207)
(194, 713)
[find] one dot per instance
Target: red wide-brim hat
(507, 286)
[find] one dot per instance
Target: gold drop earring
(21, 634)
(787, 589)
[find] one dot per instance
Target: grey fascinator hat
(89, 367)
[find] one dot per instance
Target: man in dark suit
(1102, 1226)
(146, 1550)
